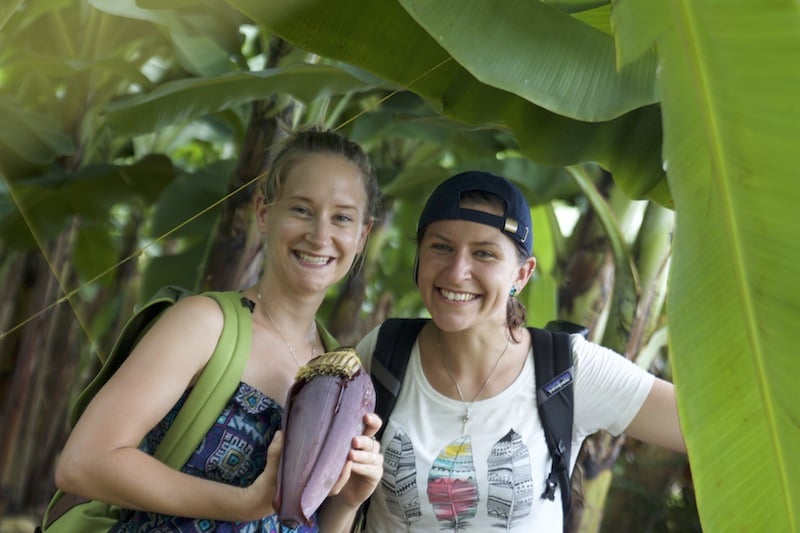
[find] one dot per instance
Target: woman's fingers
(372, 423)
(271, 468)
(274, 455)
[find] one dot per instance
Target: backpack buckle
(550, 488)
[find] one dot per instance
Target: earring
(513, 291)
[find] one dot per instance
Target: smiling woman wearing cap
(464, 445)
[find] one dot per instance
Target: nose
(319, 232)
(459, 267)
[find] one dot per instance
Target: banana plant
(694, 118)
(709, 112)
(103, 187)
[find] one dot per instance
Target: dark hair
(516, 314)
(315, 141)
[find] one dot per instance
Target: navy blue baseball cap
(443, 204)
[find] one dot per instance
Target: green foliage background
(126, 129)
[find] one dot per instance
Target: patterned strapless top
(234, 451)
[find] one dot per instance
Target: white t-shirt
(492, 477)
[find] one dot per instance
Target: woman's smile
(312, 259)
(457, 296)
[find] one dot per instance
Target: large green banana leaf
(43, 205)
(586, 84)
(196, 97)
(206, 40)
(383, 38)
(729, 79)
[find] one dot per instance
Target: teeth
(457, 296)
(325, 409)
(313, 259)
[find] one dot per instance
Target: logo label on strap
(557, 383)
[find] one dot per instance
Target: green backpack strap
(218, 381)
(216, 384)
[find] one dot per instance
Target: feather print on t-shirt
(510, 479)
(452, 488)
(399, 482)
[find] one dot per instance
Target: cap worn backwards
(444, 204)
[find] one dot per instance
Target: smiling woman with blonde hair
(314, 212)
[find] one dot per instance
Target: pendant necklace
(274, 325)
(467, 406)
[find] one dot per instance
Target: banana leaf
(730, 79)
(383, 38)
(192, 98)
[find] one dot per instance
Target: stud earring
(513, 291)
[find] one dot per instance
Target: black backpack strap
(567, 327)
(387, 370)
(552, 356)
(389, 362)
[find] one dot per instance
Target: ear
(524, 273)
(362, 241)
(261, 212)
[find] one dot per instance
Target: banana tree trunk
(653, 478)
(35, 402)
(235, 254)
(236, 235)
(587, 286)
(622, 302)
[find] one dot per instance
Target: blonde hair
(314, 141)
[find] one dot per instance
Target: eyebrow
(306, 199)
(492, 244)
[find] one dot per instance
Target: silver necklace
(468, 406)
(274, 325)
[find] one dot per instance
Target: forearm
(131, 479)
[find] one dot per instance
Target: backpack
(69, 513)
(554, 379)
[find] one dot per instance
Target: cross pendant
(464, 422)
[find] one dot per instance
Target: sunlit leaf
(731, 124)
(570, 68)
(205, 37)
(382, 38)
(195, 97)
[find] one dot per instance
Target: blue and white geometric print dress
(234, 451)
